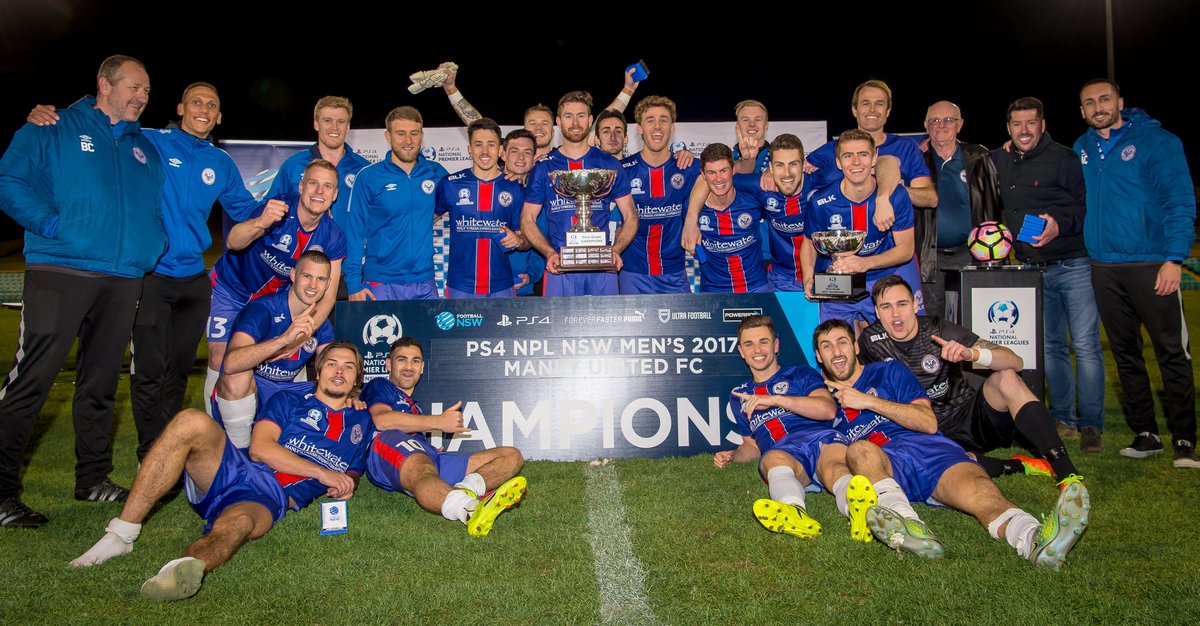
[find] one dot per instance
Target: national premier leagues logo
(1003, 313)
(381, 329)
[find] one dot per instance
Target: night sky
(270, 67)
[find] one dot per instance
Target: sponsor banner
(1007, 317)
(581, 378)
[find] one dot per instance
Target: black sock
(1034, 423)
(999, 467)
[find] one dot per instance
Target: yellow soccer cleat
(788, 519)
(502, 499)
(860, 497)
(1063, 528)
(902, 533)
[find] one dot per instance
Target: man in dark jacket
(1041, 179)
(1141, 216)
(966, 184)
(87, 191)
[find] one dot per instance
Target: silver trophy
(836, 285)
(587, 248)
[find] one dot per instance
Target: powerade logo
(737, 315)
(447, 320)
(1004, 313)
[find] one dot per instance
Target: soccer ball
(990, 242)
(381, 329)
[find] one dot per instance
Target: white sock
(458, 506)
(1021, 531)
(995, 525)
(238, 417)
(474, 483)
(839, 495)
(210, 383)
(891, 496)
(783, 486)
(117, 541)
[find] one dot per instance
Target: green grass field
(668, 541)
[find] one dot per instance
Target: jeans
(1068, 303)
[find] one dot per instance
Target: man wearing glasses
(965, 180)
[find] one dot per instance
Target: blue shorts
(919, 460)
(805, 447)
(451, 292)
(389, 450)
(223, 309)
(424, 290)
(783, 280)
(865, 309)
(238, 480)
(580, 284)
(631, 283)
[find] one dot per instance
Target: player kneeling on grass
(302, 447)
(888, 418)
(783, 416)
(402, 459)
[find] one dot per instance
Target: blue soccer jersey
(561, 209)
(785, 216)
(832, 210)
(336, 440)
(912, 163)
(264, 267)
(287, 179)
(661, 195)
(269, 317)
(479, 209)
(889, 380)
(730, 238)
(771, 425)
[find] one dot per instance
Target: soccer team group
(116, 223)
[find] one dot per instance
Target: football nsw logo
(381, 329)
(1003, 313)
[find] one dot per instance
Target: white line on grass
(619, 574)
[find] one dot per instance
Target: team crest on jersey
(745, 220)
(780, 388)
(931, 363)
(1127, 153)
(963, 176)
(873, 392)
(209, 176)
(427, 186)
(349, 179)
(704, 223)
(310, 345)
(635, 186)
(284, 244)
(141, 156)
(677, 180)
(464, 197)
(356, 434)
(504, 198)
(313, 418)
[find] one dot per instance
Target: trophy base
(841, 287)
(587, 259)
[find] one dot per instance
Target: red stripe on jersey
(775, 427)
(333, 431)
(858, 217)
(212, 276)
(761, 390)
(271, 287)
(878, 438)
(485, 196)
(657, 188)
(483, 266)
(737, 274)
(288, 479)
(654, 250)
(797, 241)
(301, 243)
(851, 414)
(575, 165)
(724, 223)
(388, 453)
(791, 206)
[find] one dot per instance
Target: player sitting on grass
(402, 459)
(886, 415)
(302, 447)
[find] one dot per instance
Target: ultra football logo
(382, 329)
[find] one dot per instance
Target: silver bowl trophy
(587, 248)
(836, 285)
